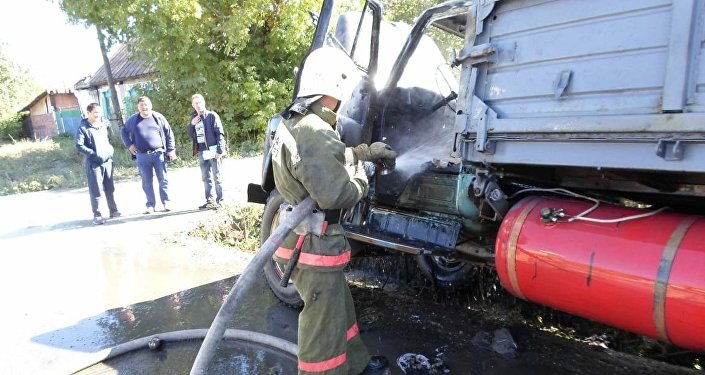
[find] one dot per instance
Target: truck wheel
(272, 271)
(445, 270)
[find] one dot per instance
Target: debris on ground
(601, 340)
(504, 345)
(414, 364)
(482, 340)
(501, 342)
(418, 364)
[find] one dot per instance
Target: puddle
(395, 318)
(178, 357)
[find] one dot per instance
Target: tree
(109, 74)
(239, 55)
(407, 10)
(17, 88)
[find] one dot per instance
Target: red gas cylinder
(645, 275)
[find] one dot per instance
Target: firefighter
(310, 160)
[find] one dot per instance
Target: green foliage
(32, 166)
(240, 56)
(249, 148)
(11, 127)
(17, 88)
(407, 10)
(27, 166)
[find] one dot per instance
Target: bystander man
(92, 140)
(206, 131)
(149, 138)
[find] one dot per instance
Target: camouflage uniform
(310, 159)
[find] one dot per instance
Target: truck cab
(553, 149)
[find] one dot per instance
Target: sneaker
(208, 205)
(115, 214)
(149, 210)
(98, 220)
(166, 206)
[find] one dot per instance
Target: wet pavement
(393, 322)
(73, 291)
(195, 307)
(61, 275)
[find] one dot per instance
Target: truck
(559, 142)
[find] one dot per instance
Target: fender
(260, 193)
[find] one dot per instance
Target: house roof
(42, 95)
(124, 64)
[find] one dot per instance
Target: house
(51, 113)
(129, 70)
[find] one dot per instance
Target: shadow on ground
(396, 318)
(87, 223)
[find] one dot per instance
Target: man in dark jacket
(208, 137)
(149, 138)
(93, 142)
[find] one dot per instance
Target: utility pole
(117, 117)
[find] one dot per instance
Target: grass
(32, 166)
(27, 166)
(235, 226)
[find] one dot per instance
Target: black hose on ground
(192, 334)
(244, 282)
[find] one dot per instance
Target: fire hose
(244, 282)
(217, 331)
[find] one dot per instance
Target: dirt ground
(396, 319)
(73, 291)
(441, 324)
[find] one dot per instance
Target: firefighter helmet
(328, 71)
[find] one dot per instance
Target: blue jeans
(150, 164)
(101, 177)
(210, 174)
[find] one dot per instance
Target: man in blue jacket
(208, 137)
(149, 138)
(93, 142)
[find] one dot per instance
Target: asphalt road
(71, 289)
(57, 268)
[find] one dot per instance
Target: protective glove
(374, 152)
(385, 156)
(361, 152)
(379, 150)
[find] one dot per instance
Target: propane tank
(644, 275)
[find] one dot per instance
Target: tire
(445, 270)
(272, 271)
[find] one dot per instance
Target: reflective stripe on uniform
(353, 331)
(316, 259)
(322, 366)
